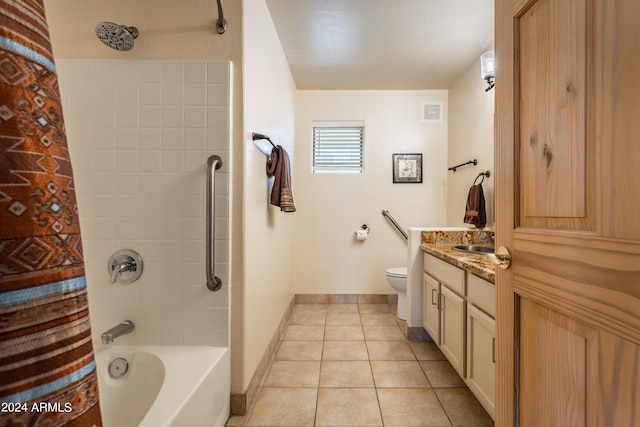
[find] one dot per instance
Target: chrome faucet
(123, 328)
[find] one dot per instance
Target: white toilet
(397, 278)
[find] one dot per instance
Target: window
(337, 147)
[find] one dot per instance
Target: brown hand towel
(278, 167)
(475, 212)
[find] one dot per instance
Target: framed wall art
(407, 168)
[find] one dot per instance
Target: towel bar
(453, 168)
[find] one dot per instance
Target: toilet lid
(397, 272)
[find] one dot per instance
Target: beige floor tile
(463, 408)
(284, 407)
(287, 373)
(414, 407)
(312, 318)
(335, 373)
(300, 350)
(389, 350)
(343, 319)
(345, 350)
(373, 308)
(426, 350)
(342, 308)
(441, 374)
(343, 333)
(383, 333)
(400, 374)
(378, 319)
(304, 333)
(348, 407)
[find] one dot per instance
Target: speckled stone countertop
(440, 244)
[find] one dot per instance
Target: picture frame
(407, 168)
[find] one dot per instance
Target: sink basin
(474, 249)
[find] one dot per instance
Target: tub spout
(123, 328)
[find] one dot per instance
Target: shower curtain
(47, 367)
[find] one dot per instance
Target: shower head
(118, 37)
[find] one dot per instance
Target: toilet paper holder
(363, 227)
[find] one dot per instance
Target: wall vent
(431, 112)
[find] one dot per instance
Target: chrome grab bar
(213, 282)
(393, 221)
(221, 23)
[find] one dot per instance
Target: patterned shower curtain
(47, 367)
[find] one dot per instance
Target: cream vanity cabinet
(458, 314)
(451, 316)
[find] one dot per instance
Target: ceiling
(381, 44)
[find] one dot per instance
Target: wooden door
(568, 209)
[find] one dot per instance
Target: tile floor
(350, 365)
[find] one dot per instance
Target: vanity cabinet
(481, 340)
(431, 304)
(459, 315)
(451, 309)
(452, 328)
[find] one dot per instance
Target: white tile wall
(140, 133)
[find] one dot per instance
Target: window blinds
(337, 149)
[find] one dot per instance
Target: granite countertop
(440, 244)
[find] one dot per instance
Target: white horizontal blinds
(337, 148)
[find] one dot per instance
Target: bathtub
(172, 386)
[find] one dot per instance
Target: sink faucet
(125, 327)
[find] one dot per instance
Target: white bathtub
(172, 386)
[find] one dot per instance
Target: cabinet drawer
(445, 273)
(481, 293)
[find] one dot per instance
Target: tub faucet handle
(124, 266)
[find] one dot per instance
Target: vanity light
(488, 68)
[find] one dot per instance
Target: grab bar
(213, 282)
(221, 23)
(388, 215)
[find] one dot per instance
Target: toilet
(397, 278)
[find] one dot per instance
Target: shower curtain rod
(221, 23)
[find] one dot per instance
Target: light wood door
(567, 207)
(452, 328)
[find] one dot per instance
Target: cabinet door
(452, 328)
(431, 307)
(481, 357)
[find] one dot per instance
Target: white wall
(269, 100)
(328, 259)
(139, 134)
(471, 116)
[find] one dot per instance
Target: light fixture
(488, 68)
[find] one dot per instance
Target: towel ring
(483, 175)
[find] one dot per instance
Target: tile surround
(139, 134)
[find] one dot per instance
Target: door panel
(552, 100)
(553, 363)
